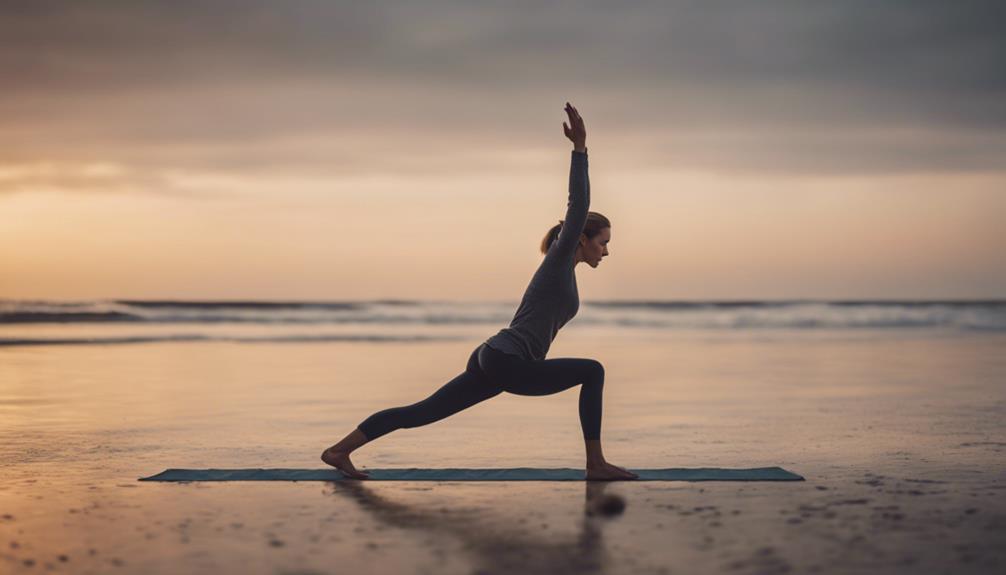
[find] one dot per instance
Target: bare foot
(608, 472)
(340, 460)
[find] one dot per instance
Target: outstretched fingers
(574, 130)
(574, 116)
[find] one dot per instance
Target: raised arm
(565, 245)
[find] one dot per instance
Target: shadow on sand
(495, 547)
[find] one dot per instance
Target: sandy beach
(900, 437)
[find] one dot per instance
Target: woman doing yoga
(513, 360)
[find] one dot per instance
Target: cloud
(323, 86)
(105, 178)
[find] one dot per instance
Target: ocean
(144, 321)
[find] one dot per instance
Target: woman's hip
(495, 363)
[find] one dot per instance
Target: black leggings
(490, 372)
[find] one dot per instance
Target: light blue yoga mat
(514, 474)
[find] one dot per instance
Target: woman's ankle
(595, 457)
(350, 443)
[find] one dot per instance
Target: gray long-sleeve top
(551, 299)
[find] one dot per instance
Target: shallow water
(900, 434)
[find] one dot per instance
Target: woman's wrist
(582, 148)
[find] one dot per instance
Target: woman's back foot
(340, 460)
(608, 472)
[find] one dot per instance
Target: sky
(329, 150)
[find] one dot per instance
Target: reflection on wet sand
(497, 546)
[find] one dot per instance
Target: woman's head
(593, 243)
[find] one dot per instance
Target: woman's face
(595, 248)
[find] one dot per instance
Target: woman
(513, 360)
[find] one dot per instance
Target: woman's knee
(596, 370)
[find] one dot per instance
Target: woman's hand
(575, 131)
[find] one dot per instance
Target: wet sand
(901, 439)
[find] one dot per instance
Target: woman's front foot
(608, 472)
(340, 460)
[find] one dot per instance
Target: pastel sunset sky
(361, 150)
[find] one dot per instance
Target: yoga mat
(514, 474)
